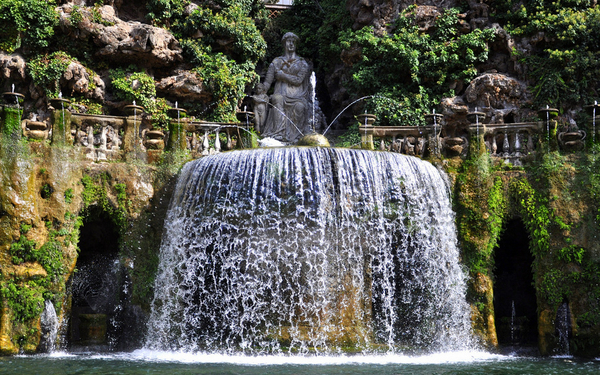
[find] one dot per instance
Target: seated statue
(288, 117)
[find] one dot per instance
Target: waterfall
(309, 249)
(49, 327)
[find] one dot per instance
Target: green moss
(11, 121)
(25, 300)
(95, 191)
(69, 196)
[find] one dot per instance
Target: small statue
(261, 100)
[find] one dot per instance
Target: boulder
(12, 66)
(120, 41)
(83, 81)
(498, 95)
(184, 84)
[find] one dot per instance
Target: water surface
(157, 362)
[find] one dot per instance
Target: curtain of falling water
(299, 249)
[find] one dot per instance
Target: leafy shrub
(132, 85)
(410, 68)
(26, 23)
(563, 67)
(47, 69)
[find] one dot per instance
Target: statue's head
(289, 35)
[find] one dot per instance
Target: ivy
(25, 300)
(536, 215)
(563, 66)
(47, 69)
(412, 67)
(95, 191)
(132, 85)
(26, 23)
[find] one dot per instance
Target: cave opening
(96, 283)
(515, 303)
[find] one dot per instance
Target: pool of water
(154, 362)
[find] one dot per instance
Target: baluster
(505, 146)
(494, 146)
(205, 144)
(529, 142)
(517, 145)
(217, 141)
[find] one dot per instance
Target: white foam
(266, 360)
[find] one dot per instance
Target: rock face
(79, 80)
(12, 66)
(499, 95)
(125, 42)
(380, 13)
(184, 84)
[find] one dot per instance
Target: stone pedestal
(61, 122)
(132, 138)
(92, 328)
(177, 135)
(11, 121)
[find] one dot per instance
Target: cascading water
(49, 326)
(302, 249)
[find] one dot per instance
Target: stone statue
(288, 117)
(261, 100)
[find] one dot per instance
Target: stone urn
(454, 146)
(572, 140)
(476, 117)
(133, 110)
(59, 103)
(366, 119)
(35, 129)
(154, 139)
(13, 98)
(245, 117)
(547, 113)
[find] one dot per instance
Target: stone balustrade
(508, 141)
(104, 137)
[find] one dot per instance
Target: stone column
(60, 120)
(132, 138)
(177, 130)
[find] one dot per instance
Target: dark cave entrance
(95, 287)
(515, 303)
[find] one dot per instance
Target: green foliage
(230, 23)
(564, 66)
(84, 105)
(26, 23)
(415, 67)
(69, 196)
(223, 42)
(482, 205)
(26, 300)
(535, 213)
(350, 138)
(95, 191)
(23, 250)
(224, 77)
(571, 254)
(47, 69)
(132, 85)
(75, 17)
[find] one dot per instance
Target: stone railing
(508, 141)
(103, 137)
